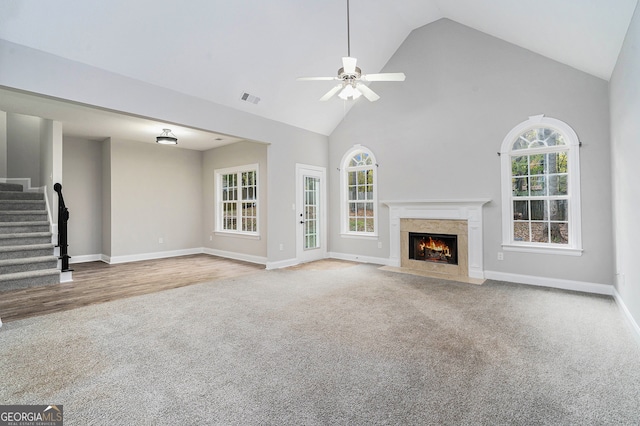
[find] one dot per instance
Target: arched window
(358, 188)
(541, 188)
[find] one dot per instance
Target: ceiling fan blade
(331, 92)
(368, 93)
(349, 65)
(388, 76)
(316, 78)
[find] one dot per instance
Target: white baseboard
(260, 260)
(582, 286)
(166, 254)
(66, 277)
(150, 256)
(331, 255)
(632, 322)
(362, 259)
(282, 264)
(86, 258)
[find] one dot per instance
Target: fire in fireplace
(439, 248)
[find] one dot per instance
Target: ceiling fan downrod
(348, 32)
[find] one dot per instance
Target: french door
(310, 213)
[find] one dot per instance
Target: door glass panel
(311, 224)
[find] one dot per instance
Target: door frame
(303, 255)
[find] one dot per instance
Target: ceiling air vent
(250, 98)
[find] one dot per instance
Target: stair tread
(11, 187)
(19, 195)
(26, 235)
(26, 247)
(23, 211)
(26, 260)
(29, 274)
(34, 223)
(12, 201)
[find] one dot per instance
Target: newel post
(63, 218)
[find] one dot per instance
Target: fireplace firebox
(438, 248)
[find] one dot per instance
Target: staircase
(26, 252)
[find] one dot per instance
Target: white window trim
(574, 246)
(218, 202)
(344, 194)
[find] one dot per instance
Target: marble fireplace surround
(469, 210)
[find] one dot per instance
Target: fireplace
(462, 218)
(437, 248)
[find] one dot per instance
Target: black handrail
(63, 218)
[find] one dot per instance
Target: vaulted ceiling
(220, 49)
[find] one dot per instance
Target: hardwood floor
(98, 282)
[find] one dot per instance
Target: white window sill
(236, 235)
(360, 236)
(542, 249)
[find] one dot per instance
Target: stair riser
(29, 217)
(24, 228)
(22, 205)
(24, 241)
(20, 254)
(14, 195)
(10, 269)
(29, 282)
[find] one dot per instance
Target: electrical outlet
(161, 240)
(281, 246)
(210, 237)
(379, 244)
(500, 255)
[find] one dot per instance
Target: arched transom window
(541, 187)
(359, 192)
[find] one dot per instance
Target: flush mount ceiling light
(351, 78)
(167, 138)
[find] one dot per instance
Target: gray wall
(3, 144)
(82, 190)
(106, 197)
(51, 75)
(50, 161)
(625, 128)
(156, 192)
(301, 148)
(23, 147)
(237, 154)
(436, 136)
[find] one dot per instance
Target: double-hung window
(541, 188)
(237, 200)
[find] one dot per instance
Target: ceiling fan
(351, 79)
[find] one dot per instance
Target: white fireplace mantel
(466, 209)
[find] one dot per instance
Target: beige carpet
(353, 345)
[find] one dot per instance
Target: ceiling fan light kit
(351, 77)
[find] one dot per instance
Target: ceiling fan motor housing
(349, 77)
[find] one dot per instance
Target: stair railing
(63, 218)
